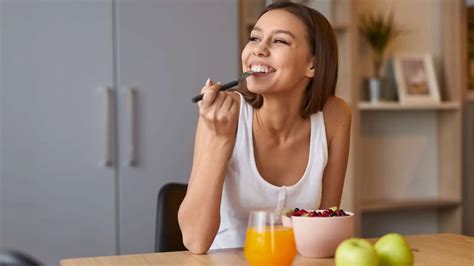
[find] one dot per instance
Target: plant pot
(375, 89)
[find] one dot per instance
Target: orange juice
(272, 246)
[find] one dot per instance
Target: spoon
(226, 86)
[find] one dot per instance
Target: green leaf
(378, 31)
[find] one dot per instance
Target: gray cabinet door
(57, 201)
(166, 51)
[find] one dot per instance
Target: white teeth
(260, 69)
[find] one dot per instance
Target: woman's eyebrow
(277, 31)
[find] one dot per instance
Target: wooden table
(436, 249)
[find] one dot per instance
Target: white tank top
(245, 189)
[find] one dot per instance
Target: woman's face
(278, 49)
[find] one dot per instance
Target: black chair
(168, 235)
(15, 258)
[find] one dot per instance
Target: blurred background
(96, 114)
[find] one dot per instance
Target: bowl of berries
(319, 232)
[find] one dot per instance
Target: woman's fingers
(227, 103)
(219, 100)
(219, 110)
(234, 108)
(216, 105)
(208, 98)
(210, 91)
(207, 84)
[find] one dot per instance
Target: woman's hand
(219, 110)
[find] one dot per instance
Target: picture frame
(415, 77)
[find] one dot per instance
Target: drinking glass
(268, 242)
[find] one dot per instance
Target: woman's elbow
(192, 241)
(195, 246)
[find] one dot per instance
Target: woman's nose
(260, 49)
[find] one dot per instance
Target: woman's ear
(310, 71)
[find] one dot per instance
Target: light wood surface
(436, 249)
(396, 106)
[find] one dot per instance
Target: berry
(331, 212)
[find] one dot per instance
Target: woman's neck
(279, 118)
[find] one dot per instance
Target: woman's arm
(338, 117)
(199, 213)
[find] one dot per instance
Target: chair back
(16, 258)
(168, 234)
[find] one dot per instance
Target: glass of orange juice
(268, 242)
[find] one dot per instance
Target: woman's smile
(261, 70)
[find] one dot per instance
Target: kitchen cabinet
(166, 51)
(96, 116)
(56, 56)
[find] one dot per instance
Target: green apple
(393, 249)
(356, 251)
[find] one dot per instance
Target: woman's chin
(257, 88)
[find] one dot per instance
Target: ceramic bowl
(318, 237)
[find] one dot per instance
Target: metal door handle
(132, 152)
(108, 117)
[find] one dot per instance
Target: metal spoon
(226, 86)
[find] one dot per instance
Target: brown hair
(323, 45)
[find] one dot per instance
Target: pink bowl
(318, 237)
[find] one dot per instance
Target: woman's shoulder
(336, 107)
(337, 113)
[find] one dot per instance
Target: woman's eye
(280, 41)
(253, 39)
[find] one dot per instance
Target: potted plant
(378, 31)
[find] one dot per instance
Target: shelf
(415, 204)
(396, 106)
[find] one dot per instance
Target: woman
(282, 141)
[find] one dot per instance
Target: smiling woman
(281, 141)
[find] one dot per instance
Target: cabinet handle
(132, 152)
(108, 117)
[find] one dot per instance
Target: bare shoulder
(337, 115)
(336, 109)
